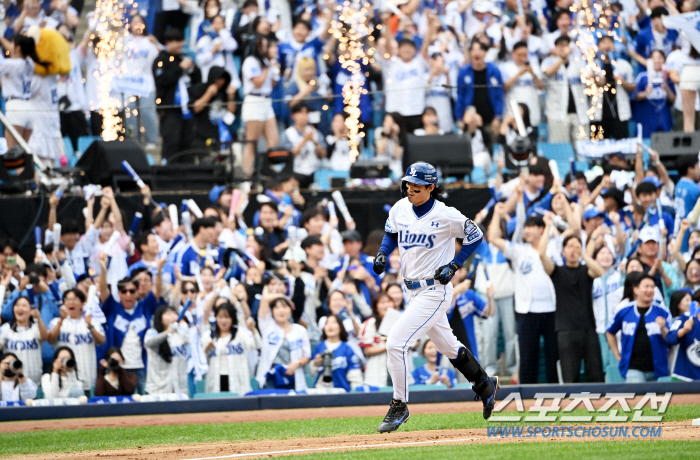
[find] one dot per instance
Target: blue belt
(417, 284)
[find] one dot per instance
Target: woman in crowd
(654, 96)
(431, 373)
(78, 333)
(63, 381)
(140, 51)
(227, 352)
(345, 369)
(680, 302)
(312, 89)
(395, 291)
(112, 378)
(15, 385)
(16, 72)
(23, 337)
(285, 346)
(692, 274)
(341, 306)
(259, 75)
(374, 344)
(166, 344)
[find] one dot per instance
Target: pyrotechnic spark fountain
(350, 29)
(584, 36)
(108, 28)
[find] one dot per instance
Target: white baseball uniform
(76, 335)
(425, 244)
(25, 342)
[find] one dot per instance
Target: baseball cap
(619, 155)
(653, 180)
(616, 194)
(482, 6)
(351, 235)
(591, 213)
(648, 234)
(215, 193)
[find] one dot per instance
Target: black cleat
(397, 415)
(487, 394)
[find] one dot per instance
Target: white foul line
(365, 446)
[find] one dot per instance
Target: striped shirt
(161, 376)
(26, 344)
(230, 357)
(76, 335)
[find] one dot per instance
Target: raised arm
(494, 230)
(547, 262)
(104, 286)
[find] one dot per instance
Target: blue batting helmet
(420, 173)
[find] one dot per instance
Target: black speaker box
(102, 164)
(451, 153)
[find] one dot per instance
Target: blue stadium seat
(418, 361)
(322, 177)
(222, 395)
(426, 387)
(310, 381)
(70, 153)
(85, 141)
(542, 131)
(478, 176)
(561, 153)
(201, 386)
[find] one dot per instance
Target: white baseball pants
(425, 314)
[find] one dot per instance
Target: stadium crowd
(203, 74)
(593, 272)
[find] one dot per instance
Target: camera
(34, 279)
(13, 367)
(69, 363)
(327, 366)
(114, 365)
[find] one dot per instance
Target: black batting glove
(379, 263)
(445, 273)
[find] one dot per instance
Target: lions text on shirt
(405, 85)
(161, 376)
(524, 90)
(427, 242)
(76, 335)
(24, 343)
(16, 78)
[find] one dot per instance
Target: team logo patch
(472, 234)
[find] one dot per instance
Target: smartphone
(11, 261)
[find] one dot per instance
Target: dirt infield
(267, 415)
(672, 431)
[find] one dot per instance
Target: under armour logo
(413, 172)
(435, 224)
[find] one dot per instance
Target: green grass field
(631, 450)
(130, 437)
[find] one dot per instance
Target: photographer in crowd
(112, 378)
(15, 385)
(63, 381)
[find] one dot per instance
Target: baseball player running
(424, 230)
